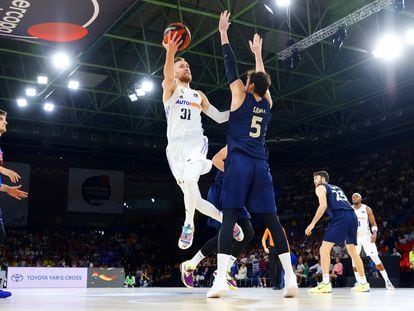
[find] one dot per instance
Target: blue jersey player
(342, 228)
(247, 180)
(13, 191)
(210, 247)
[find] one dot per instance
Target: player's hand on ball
(309, 229)
(173, 42)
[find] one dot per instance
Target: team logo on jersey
(195, 95)
(362, 212)
(181, 96)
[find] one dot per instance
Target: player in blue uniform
(247, 180)
(210, 247)
(13, 191)
(342, 228)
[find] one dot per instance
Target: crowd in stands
(150, 252)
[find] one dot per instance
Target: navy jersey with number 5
(336, 199)
(247, 128)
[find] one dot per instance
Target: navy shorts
(247, 182)
(213, 196)
(342, 228)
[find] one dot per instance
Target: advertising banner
(95, 191)
(76, 24)
(33, 277)
(106, 277)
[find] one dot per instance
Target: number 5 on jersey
(256, 127)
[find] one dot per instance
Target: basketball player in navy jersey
(247, 180)
(187, 146)
(342, 228)
(13, 191)
(210, 247)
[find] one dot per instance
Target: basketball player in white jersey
(187, 146)
(366, 239)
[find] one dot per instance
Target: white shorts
(181, 153)
(364, 241)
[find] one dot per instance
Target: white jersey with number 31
(183, 111)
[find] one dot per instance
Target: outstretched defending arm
(256, 48)
(236, 85)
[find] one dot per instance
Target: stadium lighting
(41, 79)
(409, 36)
(152, 200)
(22, 102)
(61, 60)
(133, 97)
(73, 84)
(31, 92)
(48, 106)
(388, 47)
(268, 8)
(147, 86)
(283, 3)
(139, 92)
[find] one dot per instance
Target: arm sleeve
(218, 116)
(230, 63)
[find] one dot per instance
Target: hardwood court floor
(157, 299)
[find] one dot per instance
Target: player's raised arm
(256, 48)
(171, 47)
(236, 85)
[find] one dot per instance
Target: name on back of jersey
(259, 110)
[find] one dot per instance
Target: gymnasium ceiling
(331, 104)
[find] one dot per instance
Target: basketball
(182, 31)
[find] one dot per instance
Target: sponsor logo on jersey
(187, 103)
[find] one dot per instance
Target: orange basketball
(182, 31)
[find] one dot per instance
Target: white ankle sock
(325, 278)
(231, 261)
(363, 279)
(287, 264)
(222, 263)
(357, 278)
(197, 258)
